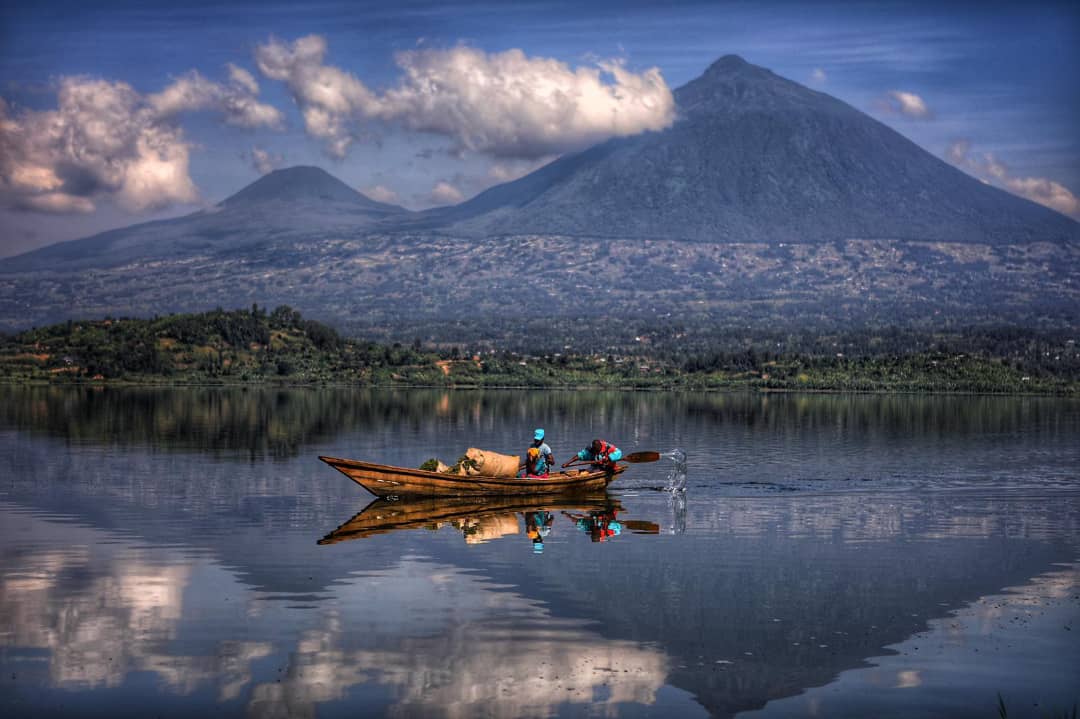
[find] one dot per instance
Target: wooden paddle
(635, 458)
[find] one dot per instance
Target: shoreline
(1066, 393)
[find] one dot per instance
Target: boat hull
(387, 481)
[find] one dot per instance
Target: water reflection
(830, 434)
(483, 519)
(109, 611)
(104, 611)
(994, 646)
(141, 562)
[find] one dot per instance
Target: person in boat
(545, 460)
(528, 469)
(602, 454)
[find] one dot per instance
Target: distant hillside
(256, 346)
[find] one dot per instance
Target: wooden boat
(386, 481)
(385, 515)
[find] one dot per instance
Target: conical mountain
(304, 183)
(295, 203)
(754, 157)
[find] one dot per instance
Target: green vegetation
(256, 346)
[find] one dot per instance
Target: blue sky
(991, 87)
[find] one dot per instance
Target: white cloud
(818, 76)
(236, 100)
(379, 193)
(242, 79)
(990, 170)
(265, 161)
(1046, 192)
(328, 97)
(898, 102)
(104, 139)
(504, 104)
(445, 194)
(57, 203)
(509, 170)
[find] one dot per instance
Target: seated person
(535, 467)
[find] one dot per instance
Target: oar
(635, 458)
(641, 526)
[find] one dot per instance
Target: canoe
(383, 480)
(385, 515)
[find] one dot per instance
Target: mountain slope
(295, 202)
(754, 157)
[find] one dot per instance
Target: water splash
(677, 505)
(676, 480)
(676, 488)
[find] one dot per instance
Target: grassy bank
(259, 347)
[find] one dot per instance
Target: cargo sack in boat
(435, 465)
(492, 464)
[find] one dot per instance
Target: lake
(169, 552)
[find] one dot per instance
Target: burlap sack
(493, 464)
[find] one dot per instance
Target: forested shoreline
(260, 346)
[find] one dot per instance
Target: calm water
(859, 556)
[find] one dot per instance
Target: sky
(113, 113)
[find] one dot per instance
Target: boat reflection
(482, 519)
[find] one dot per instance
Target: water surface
(839, 555)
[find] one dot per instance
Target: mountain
(766, 204)
(292, 202)
(306, 184)
(754, 157)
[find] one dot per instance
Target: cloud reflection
(105, 610)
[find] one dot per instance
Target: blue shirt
(545, 460)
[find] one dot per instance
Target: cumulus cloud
(265, 161)
(991, 170)
(445, 194)
(236, 100)
(507, 104)
(898, 102)
(509, 170)
(105, 139)
(380, 193)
